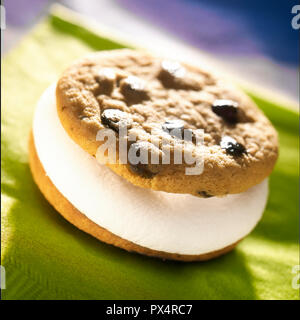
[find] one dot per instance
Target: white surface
(161, 221)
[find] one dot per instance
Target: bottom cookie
(74, 216)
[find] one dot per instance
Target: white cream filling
(174, 223)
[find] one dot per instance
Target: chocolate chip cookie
(165, 109)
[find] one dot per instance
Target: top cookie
(162, 103)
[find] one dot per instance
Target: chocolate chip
(176, 129)
(204, 194)
(173, 69)
(134, 83)
(227, 109)
(142, 170)
(232, 147)
(142, 166)
(106, 74)
(133, 89)
(172, 75)
(115, 119)
(106, 78)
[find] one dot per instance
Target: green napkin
(45, 257)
